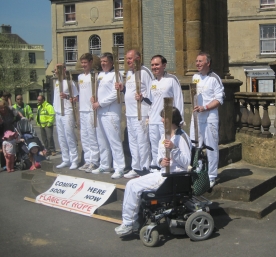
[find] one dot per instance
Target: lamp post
(273, 67)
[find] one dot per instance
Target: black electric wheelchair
(184, 213)
(175, 201)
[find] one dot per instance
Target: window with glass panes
(268, 39)
(70, 49)
(267, 3)
(69, 13)
(118, 40)
(118, 8)
(95, 45)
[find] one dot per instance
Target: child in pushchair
(31, 152)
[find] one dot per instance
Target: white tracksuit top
(131, 103)
(180, 155)
(107, 94)
(85, 93)
(67, 103)
(209, 88)
(167, 86)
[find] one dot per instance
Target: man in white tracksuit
(164, 85)
(87, 130)
(210, 95)
(138, 133)
(180, 158)
(109, 121)
(65, 124)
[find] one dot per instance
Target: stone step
(242, 189)
(256, 209)
(243, 182)
(238, 181)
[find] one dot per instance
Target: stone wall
(257, 150)
(92, 18)
(196, 28)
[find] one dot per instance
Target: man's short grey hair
(208, 56)
(135, 52)
(108, 55)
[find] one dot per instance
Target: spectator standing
(45, 120)
(7, 97)
(23, 108)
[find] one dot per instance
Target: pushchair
(25, 129)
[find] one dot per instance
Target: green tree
(15, 68)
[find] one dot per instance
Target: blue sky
(31, 20)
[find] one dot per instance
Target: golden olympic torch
(168, 106)
(193, 95)
(60, 82)
(69, 82)
(94, 86)
(137, 70)
(115, 51)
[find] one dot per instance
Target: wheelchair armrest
(178, 174)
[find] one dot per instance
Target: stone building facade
(36, 65)
(252, 43)
(85, 26)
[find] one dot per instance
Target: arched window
(95, 45)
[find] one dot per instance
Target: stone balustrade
(249, 120)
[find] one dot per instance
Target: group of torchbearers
(144, 92)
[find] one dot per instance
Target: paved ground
(29, 229)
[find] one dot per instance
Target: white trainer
(91, 168)
(131, 174)
(124, 230)
(100, 170)
(63, 165)
(84, 167)
(212, 183)
(73, 166)
(135, 226)
(117, 174)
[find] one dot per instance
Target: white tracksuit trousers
(89, 138)
(155, 133)
(208, 133)
(132, 196)
(66, 137)
(109, 138)
(139, 144)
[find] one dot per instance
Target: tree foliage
(15, 68)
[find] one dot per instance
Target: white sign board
(77, 195)
(265, 86)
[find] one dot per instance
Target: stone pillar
(132, 25)
(191, 42)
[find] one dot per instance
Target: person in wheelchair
(180, 157)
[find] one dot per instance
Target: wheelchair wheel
(199, 226)
(154, 237)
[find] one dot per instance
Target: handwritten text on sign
(77, 195)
